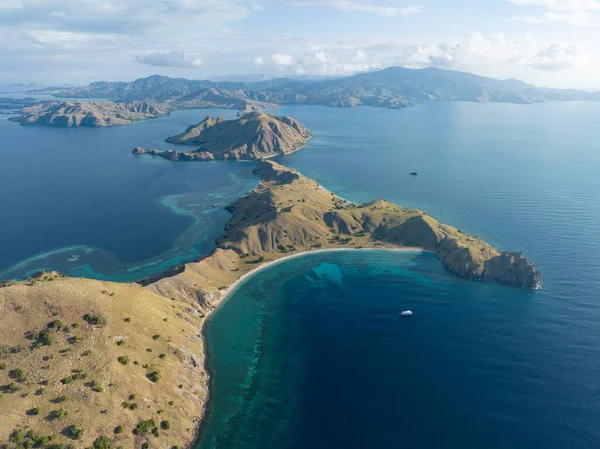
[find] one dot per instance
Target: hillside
(394, 87)
(84, 360)
(254, 136)
(98, 114)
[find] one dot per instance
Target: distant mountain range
(394, 87)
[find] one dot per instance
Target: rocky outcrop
(254, 136)
(92, 114)
(173, 155)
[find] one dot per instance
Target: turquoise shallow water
(312, 353)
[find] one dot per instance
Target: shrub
(97, 388)
(175, 447)
(57, 324)
(162, 356)
(86, 352)
(1, 395)
(94, 319)
(75, 431)
(123, 360)
(34, 411)
(119, 429)
(165, 425)
(17, 436)
(45, 338)
(143, 427)
(12, 387)
(133, 406)
(17, 374)
(102, 443)
(2, 366)
(132, 396)
(75, 339)
(40, 391)
(155, 337)
(62, 398)
(120, 342)
(155, 432)
(171, 402)
(145, 445)
(57, 414)
(67, 380)
(154, 376)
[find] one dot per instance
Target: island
(89, 114)
(254, 136)
(90, 363)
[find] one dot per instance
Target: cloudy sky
(547, 42)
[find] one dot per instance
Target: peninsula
(101, 364)
(89, 114)
(254, 136)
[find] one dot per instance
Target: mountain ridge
(393, 87)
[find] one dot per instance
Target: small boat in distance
(413, 173)
(406, 313)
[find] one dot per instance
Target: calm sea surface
(312, 353)
(78, 201)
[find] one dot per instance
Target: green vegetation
(75, 431)
(94, 319)
(155, 337)
(34, 411)
(123, 360)
(18, 374)
(120, 342)
(62, 398)
(143, 427)
(154, 376)
(119, 429)
(165, 425)
(57, 414)
(57, 324)
(102, 443)
(155, 432)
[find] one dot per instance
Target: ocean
(321, 358)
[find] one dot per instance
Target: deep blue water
(311, 353)
(480, 365)
(78, 201)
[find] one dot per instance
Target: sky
(553, 43)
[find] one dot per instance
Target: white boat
(406, 313)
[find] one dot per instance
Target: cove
(311, 352)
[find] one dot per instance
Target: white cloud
(578, 13)
(558, 57)
(259, 60)
(281, 59)
(380, 7)
(169, 59)
(561, 5)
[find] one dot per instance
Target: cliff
(93, 114)
(254, 136)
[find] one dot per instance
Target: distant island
(89, 114)
(106, 364)
(394, 88)
(254, 136)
